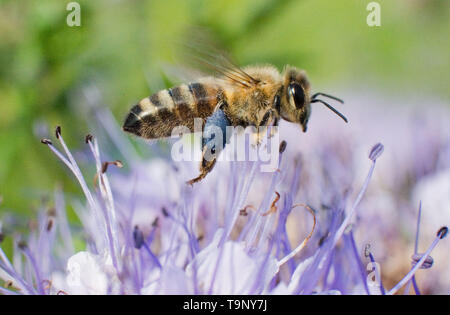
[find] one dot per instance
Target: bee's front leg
(267, 119)
(214, 139)
(257, 138)
(274, 127)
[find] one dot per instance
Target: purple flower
(298, 230)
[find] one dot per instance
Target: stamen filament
(441, 234)
(305, 241)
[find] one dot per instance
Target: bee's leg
(262, 128)
(214, 140)
(257, 138)
(273, 130)
(206, 166)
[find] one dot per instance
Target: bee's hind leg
(214, 140)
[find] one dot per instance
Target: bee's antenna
(327, 95)
(330, 107)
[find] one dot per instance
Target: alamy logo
(374, 16)
(208, 144)
(74, 17)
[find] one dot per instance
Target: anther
(105, 165)
(273, 207)
(367, 250)
(165, 212)
(442, 232)
(428, 263)
(283, 145)
(46, 141)
(49, 225)
(58, 132)
(138, 237)
(322, 240)
(376, 151)
(88, 138)
(244, 211)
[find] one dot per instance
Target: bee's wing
(179, 73)
(203, 54)
(222, 65)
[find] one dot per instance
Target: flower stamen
(273, 207)
(244, 212)
(428, 263)
(442, 233)
(305, 241)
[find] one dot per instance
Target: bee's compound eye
(298, 96)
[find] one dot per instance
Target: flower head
(297, 230)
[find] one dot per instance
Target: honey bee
(251, 96)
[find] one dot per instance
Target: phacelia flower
(302, 229)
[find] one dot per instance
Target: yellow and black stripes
(183, 100)
(203, 98)
(156, 116)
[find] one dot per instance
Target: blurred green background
(121, 45)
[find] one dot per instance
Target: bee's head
(296, 98)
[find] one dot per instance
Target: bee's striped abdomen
(156, 116)
(203, 97)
